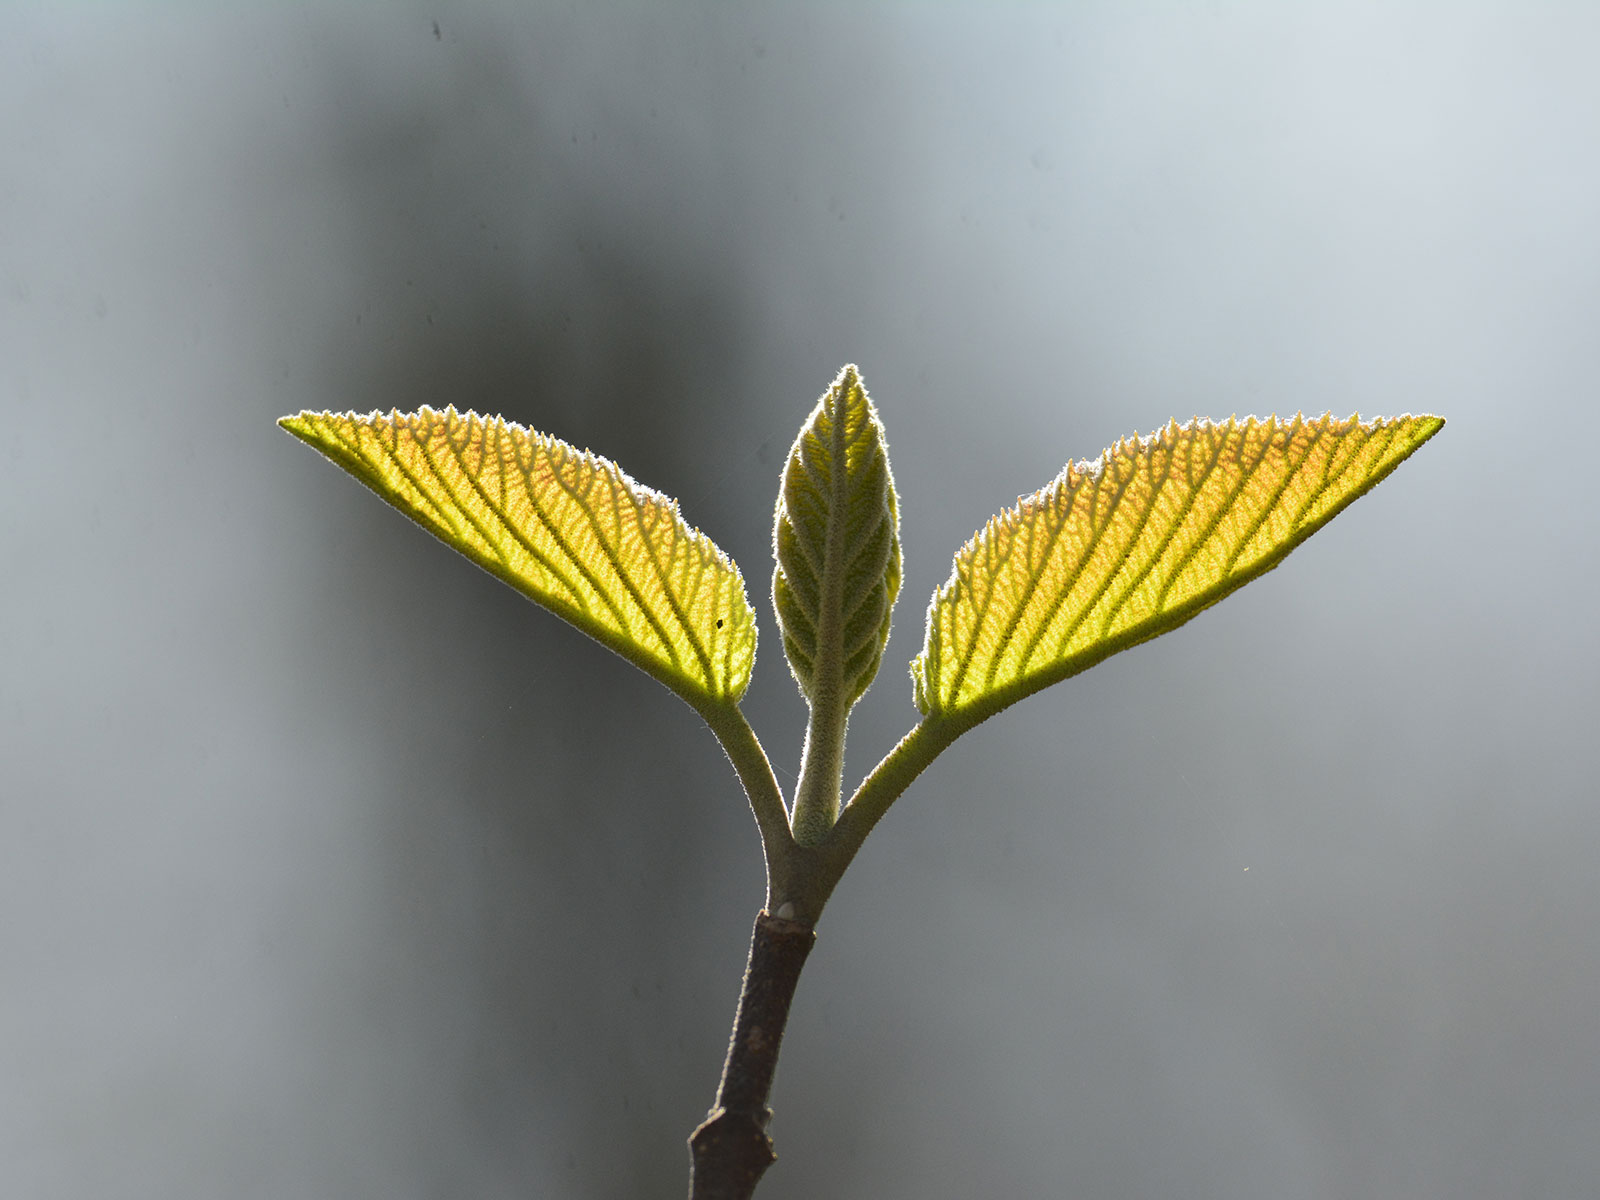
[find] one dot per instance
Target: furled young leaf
(1115, 552)
(836, 539)
(566, 528)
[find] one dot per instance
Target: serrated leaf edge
(1072, 477)
(662, 662)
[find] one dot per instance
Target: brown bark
(731, 1149)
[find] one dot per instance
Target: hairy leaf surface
(567, 528)
(1117, 551)
(836, 538)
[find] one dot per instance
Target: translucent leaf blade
(567, 528)
(836, 541)
(1118, 551)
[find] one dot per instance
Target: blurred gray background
(330, 867)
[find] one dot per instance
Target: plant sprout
(1110, 553)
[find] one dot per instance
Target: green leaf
(568, 529)
(1118, 551)
(836, 539)
(837, 544)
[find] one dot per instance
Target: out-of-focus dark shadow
(548, 831)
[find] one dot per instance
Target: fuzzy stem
(816, 795)
(743, 748)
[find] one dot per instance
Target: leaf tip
(1120, 549)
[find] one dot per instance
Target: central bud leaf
(836, 539)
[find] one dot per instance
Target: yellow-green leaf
(1117, 551)
(568, 529)
(836, 538)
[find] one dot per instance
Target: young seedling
(1109, 554)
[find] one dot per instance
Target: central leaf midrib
(830, 617)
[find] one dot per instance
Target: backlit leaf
(1117, 551)
(836, 539)
(567, 528)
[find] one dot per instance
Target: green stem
(749, 759)
(820, 867)
(816, 795)
(887, 781)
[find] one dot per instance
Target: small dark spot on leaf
(719, 622)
